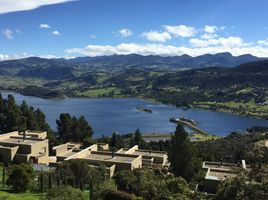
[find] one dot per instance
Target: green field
(241, 108)
(100, 92)
(5, 195)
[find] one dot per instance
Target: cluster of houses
(33, 147)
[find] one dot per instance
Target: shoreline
(140, 98)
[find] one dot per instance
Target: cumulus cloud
(7, 6)
(125, 32)
(234, 45)
(4, 57)
(229, 42)
(156, 36)
(44, 26)
(8, 33)
(263, 42)
(207, 36)
(180, 30)
(57, 33)
(211, 29)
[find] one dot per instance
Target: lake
(107, 115)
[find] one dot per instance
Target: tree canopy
(74, 129)
(182, 155)
(20, 177)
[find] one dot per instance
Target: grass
(201, 137)
(100, 92)
(249, 108)
(6, 195)
(11, 81)
(193, 137)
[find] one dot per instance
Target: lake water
(107, 115)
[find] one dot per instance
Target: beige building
(97, 155)
(149, 158)
(217, 172)
(32, 147)
(24, 147)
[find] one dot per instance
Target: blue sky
(66, 28)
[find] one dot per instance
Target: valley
(240, 90)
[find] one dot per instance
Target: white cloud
(234, 45)
(8, 33)
(156, 36)
(263, 42)
(125, 32)
(207, 36)
(44, 26)
(57, 33)
(180, 30)
(49, 56)
(7, 6)
(229, 42)
(211, 29)
(14, 57)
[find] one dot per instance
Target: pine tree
(181, 154)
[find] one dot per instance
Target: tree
(3, 176)
(20, 177)
(242, 187)
(113, 140)
(118, 195)
(125, 180)
(181, 154)
(66, 193)
(78, 174)
(73, 129)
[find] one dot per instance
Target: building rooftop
(19, 141)
(109, 157)
(219, 175)
(148, 153)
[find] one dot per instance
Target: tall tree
(181, 154)
(73, 129)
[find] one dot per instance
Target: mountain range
(61, 69)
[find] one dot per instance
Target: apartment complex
(99, 155)
(217, 172)
(24, 147)
(32, 147)
(149, 158)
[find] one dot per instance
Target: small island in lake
(147, 110)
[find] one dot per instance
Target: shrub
(20, 177)
(66, 193)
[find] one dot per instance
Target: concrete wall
(8, 135)
(211, 186)
(7, 154)
(132, 150)
(60, 149)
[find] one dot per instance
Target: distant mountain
(253, 74)
(63, 69)
(184, 61)
(36, 67)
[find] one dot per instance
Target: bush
(118, 195)
(66, 193)
(20, 177)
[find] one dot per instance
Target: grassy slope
(5, 194)
(20, 196)
(100, 92)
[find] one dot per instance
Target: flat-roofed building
(24, 147)
(219, 171)
(113, 161)
(149, 158)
